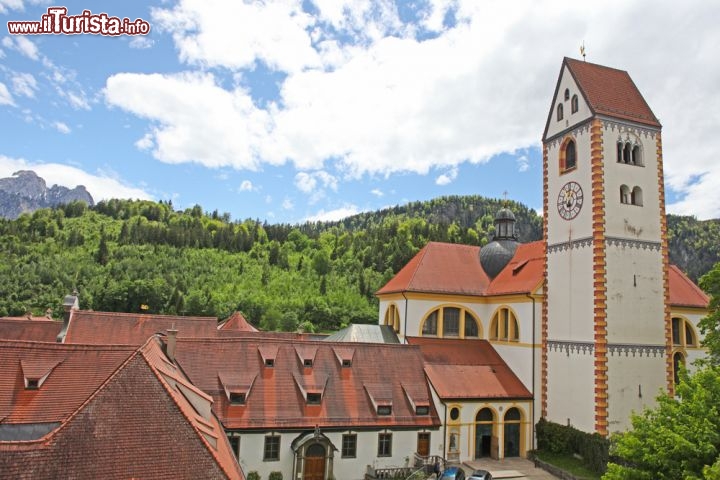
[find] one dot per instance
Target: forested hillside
(141, 256)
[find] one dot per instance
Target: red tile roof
(611, 92)
(441, 268)
(135, 424)
(237, 322)
(133, 328)
(683, 292)
(446, 268)
(464, 369)
(24, 329)
(78, 372)
(276, 399)
(524, 272)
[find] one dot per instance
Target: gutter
(533, 368)
(405, 320)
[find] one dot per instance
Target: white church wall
(571, 386)
(570, 295)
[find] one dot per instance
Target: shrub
(591, 447)
(275, 476)
(253, 475)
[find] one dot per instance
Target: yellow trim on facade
(451, 298)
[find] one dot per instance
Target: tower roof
(607, 91)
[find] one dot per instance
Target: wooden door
(423, 444)
(314, 462)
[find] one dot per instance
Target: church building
(592, 318)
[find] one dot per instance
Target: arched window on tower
(624, 194)
(574, 104)
(636, 157)
(627, 153)
(559, 112)
(636, 196)
(570, 156)
(567, 94)
(619, 151)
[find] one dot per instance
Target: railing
(422, 467)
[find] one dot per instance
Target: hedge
(591, 447)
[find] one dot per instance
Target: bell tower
(606, 333)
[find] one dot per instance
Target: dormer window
(268, 353)
(344, 355)
(347, 363)
(422, 410)
(270, 362)
(307, 362)
(384, 410)
(32, 383)
(314, 398)
(237, 398)
(36, 371)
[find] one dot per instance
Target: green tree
(678, 438)
(710, 325)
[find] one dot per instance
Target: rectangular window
(385, 445)
(422, 410)
(270, 362)
(313, 398)
(384, 410)
(451, 322)
(237, 398)
(235, 444)
(272, 449)
(349, 446)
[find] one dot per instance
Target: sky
(296, 110)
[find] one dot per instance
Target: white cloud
(26, 47)
(447, 178)
(305, 182)
(377, 192)
(7, 5)
(373, 103)
(332, 215)
(61, 127)
(24, 84)
(523, 163)
(273, 32)
(101, 185)
(145, 143)
(246, 186)
(288, 204)
(141, 42)
(5, 96)
(195, 120)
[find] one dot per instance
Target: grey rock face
(25, 192)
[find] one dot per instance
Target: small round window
(454, 413)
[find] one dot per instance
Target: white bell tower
(606, 333)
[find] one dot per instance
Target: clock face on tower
(570, 200)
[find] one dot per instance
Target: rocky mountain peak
(25, 191)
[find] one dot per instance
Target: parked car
(480, 475)
(453, 473)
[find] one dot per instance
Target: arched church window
(683, 333)
(451, 321)
(504, 326)
(567, 94)
(392, 317)
(624, 194)
(574, 104)
(627, 153)
(559, 111)
(570, 156)
(619, 151)
(471, 325)
(636, 156)
(636, 196)
(430, 324)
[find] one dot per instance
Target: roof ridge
(164, 384)
(67, 346)
(152, 315)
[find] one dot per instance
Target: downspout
(533, 368)
(445, 432)
(405, 320)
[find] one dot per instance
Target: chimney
(70, 304)
(171, 342)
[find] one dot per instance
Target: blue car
(453, 473)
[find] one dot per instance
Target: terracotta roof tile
(463, 369)
(24, 329)
(277, 397)
(683, 292)
(237, 322)
(523, 274)
(441, 268)
(108, 328)
(611, 92)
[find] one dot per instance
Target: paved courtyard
(509, 468)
